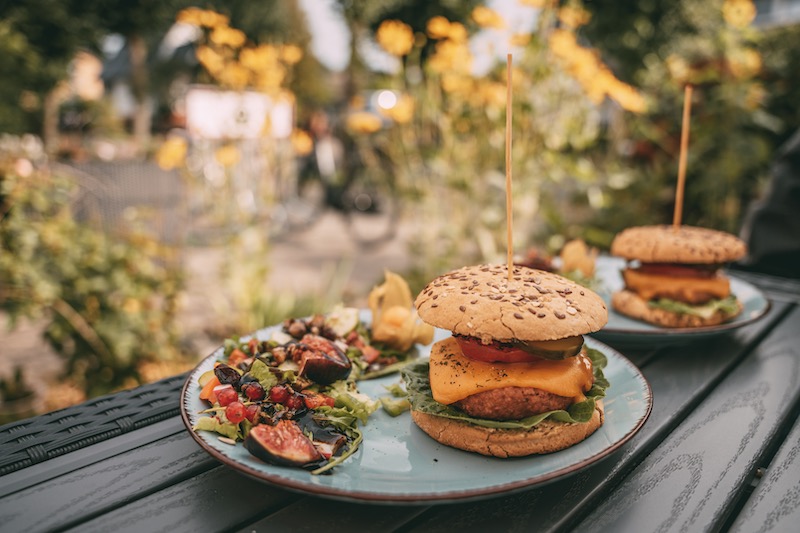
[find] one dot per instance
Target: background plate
(398, 463)
(622, 330)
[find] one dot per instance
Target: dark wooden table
(719, 452)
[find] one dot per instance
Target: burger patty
(511, 403)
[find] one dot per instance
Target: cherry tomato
(235, 412)
(295, 402)
(279, 394)
(490, 353)
(252, 412)
(254, 391)
(227, 396)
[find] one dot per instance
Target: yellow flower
(488, 18)
(291, 54)
(172, 153)
(263, 56)
(738, 13)
(403, 111)
(455, 83)
(628, 97)
(395, 37)
(227, 155)
(190, 15)
(745, 63)
(573, 16)
(270, 80)
(210, 59)
(457, 32)
(679, 70)
(493, 94)
(597, 81)
(536, 3)
(363, 122)
(302, 142)
(563, 43)
(212, 19)
(227, 36)
(438, 28)
(519, 39)
(235, 76)
(451, 56)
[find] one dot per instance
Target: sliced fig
(281, 444)
(321, 360)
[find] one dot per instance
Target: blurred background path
(301, 262)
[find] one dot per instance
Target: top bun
(534, 305)
(684, 244)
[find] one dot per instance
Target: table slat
(775, 503)
(103, 485)
(679, 378)
(695, 478)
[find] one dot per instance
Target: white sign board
(217, 114)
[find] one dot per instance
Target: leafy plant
(443, 129)
(109, 301)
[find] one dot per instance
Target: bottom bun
(631, 304)
(545, 437)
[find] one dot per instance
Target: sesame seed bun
(546, 437)
(684, 244)
(480, 301)
(631, 304)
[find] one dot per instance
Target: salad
(292, 399)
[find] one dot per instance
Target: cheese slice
(682, 289)
(453, 376)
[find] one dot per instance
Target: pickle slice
(555, 350)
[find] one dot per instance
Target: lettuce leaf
(421, 398)
(728, 306)
(260, 371)
(212, 423)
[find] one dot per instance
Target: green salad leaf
(260, 371)
(728, 306)
(421, 398)
(212, 423)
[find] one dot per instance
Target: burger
(515, 377)
(673, 275)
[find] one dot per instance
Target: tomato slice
(473, 348)
(679, 270)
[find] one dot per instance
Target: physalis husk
(394, 321)
(576, 255)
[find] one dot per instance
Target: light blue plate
(621, 330)
(398, 463)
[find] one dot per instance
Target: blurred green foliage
(744, 107)
(109, 302)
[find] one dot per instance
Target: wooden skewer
(509, 213)
(687, 107)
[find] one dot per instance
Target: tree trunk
(50, 137)
(140, 85)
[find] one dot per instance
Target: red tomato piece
(314, 399)
(678, 270)
(235, 412)
(252, 412)
(227, 396)
(495, 352)
(236, 357)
